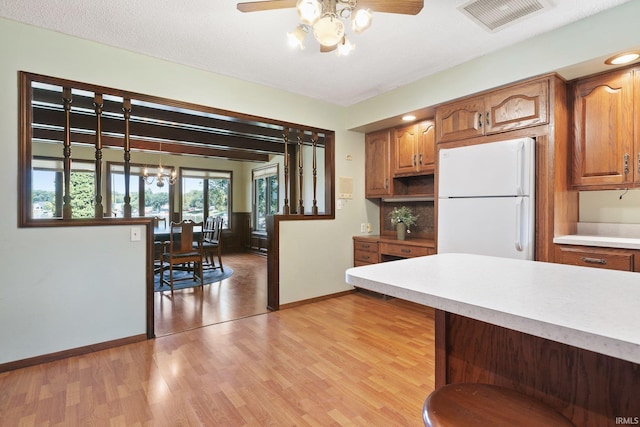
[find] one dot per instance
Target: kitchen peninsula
(565, 335)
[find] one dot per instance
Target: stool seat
(469, 404)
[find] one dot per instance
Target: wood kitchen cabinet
(512, 107)
(606, 134)
(365, 251)
(414, 149)
(378, 164)
(588, 256)
(373, 249)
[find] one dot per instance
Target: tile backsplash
(425, 226)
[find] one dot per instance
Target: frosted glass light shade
(309, 11)
(296, 37)
(328, 30)
(361, 20)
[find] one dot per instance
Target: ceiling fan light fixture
(309, 11)
(296, 37)
(361, 20)
(328, 30)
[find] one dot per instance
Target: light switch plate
(135, 234)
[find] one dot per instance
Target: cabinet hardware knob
(639, 163)
(405, 251)
(386, 183)
(479, 120)
(594, 260)
(365, 246)
(365, 257)
(488, 121)
(420, 160)
(414, 160)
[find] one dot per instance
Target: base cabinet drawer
(404, 251)
(598, 258)
(361, 257)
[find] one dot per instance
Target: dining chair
(212, 242)
(184, 248)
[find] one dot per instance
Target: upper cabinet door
(427, 146)
(517, 107)
(460, 119)
(378, 164)
(405, 146)
(603, 131)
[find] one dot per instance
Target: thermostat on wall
(345, 187)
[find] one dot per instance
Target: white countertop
(590, 308)
(625, 236)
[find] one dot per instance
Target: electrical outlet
(363, 228)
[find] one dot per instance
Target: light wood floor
(241, 295)
(350, 360)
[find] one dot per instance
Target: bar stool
(469, 404)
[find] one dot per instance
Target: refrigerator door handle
(519, 212)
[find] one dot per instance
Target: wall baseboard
(310, 300)
(45, 358)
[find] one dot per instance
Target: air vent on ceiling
(494, 15)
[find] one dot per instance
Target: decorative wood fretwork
(314, 141)
(126, 109)
(66, 153)
(97, 105)
(285, 137)
(300, 173)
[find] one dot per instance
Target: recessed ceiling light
(408, 118)
(623, 58)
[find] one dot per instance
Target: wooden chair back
(181, 236)
(213, 229)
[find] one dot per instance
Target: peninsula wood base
(588, 388)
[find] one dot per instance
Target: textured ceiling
(213, 35)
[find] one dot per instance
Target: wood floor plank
(353, 360)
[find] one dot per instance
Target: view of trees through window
(147, 198)
(265, 195)
(215, 185)
(47, 183)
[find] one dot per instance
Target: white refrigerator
(486, 199)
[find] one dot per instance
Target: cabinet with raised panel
(513, 107)
(414, 149)
(378, 164)
(606, 133)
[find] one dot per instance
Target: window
(205, 193)
(265, 195)
(48, 181)
(148, 199)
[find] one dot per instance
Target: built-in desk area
(565, 335)
(375, 249)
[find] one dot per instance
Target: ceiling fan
(324, 18)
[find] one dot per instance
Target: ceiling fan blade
(257, 6)
(405, 7)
